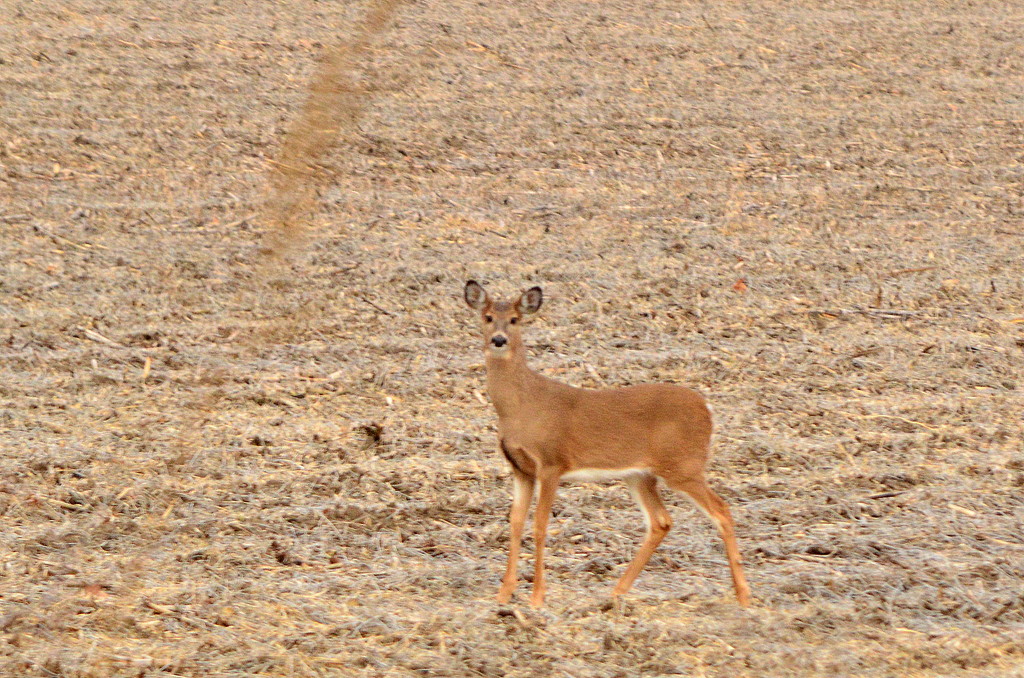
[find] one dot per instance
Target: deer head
(501, 321)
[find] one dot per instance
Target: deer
(549, 431)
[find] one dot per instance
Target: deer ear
(530, 301)
(475, 295)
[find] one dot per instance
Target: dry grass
(206, 474)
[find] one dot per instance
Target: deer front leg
(545, 500)
(522, 493)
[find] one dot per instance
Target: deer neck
(510, 381)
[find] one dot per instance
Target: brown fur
(548, 429)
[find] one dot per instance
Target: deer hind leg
(718, 511)
(522, 494)
(545, 500)
(644, 489)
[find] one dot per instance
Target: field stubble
(809, 212)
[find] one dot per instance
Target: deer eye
(488, 319)
(513, 321)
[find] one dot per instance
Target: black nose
(499, 340)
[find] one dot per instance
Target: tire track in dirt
(335, 102)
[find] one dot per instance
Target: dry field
(810, 211)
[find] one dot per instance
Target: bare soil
(810, 211)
